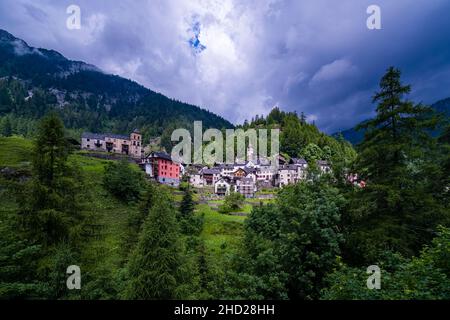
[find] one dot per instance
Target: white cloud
(334, 71)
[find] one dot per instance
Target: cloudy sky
(240, 58)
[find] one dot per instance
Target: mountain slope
(33, 81)
(355, 137)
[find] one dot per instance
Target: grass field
(221, 232)
(15, 152)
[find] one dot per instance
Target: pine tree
(397, 133)
(187, 205)
(396, 210)
(156, 265)
(51, 205)
(6, 127)
(302, 117)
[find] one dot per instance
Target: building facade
(114, 143)
(162, 168)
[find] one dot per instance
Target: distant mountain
(34, 80)
(355, 137)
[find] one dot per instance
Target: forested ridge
(34, 81)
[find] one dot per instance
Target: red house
(160, 166)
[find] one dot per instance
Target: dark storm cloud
(312, 56)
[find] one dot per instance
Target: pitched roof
(117, 136)
(93, 136)
(249, 170)
(161, 155)
(247, 180)
(298, 161)
(210, 171)
(289, 167)
(103, 136)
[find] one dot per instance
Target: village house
(227, 170)
(302, 168)
(287, 174)
(161, 167)
(211, 176)
(265, 174)
(114, 143)
(222, 187)
(246, 187)
(196, 180)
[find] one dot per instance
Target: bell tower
(136, 144)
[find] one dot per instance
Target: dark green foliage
(356, 135)
(5, 127)
(18, 265)
(301, 139)
(51, 203)
(398, 209)
(233, 203)
(156, 268)
(136, 220)
(122, 181)
(189, 222)
(424, 277)
(291, 246)
(56, 263)
(47, 222)
(312, 153)
(187, 204)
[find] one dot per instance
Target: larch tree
(156, 265)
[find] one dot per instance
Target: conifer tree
(156, 265)
(6, 127)
(187, 205)
(396, 211)
(52, 203)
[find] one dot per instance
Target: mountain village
(246, 177)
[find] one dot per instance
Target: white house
(288, 174)
(247, 187)
(265, 174)
(227, 170)
(196, 180)
(222, 187)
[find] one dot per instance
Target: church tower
(136, 144)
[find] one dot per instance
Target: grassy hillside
(106, 247)
(15, 152)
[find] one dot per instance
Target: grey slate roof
(93, 136)
(161, 155)
(249, 170)
(299, 161)
(289, 167)
(103, 136)
(210, 171)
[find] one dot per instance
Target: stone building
(114, 143)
